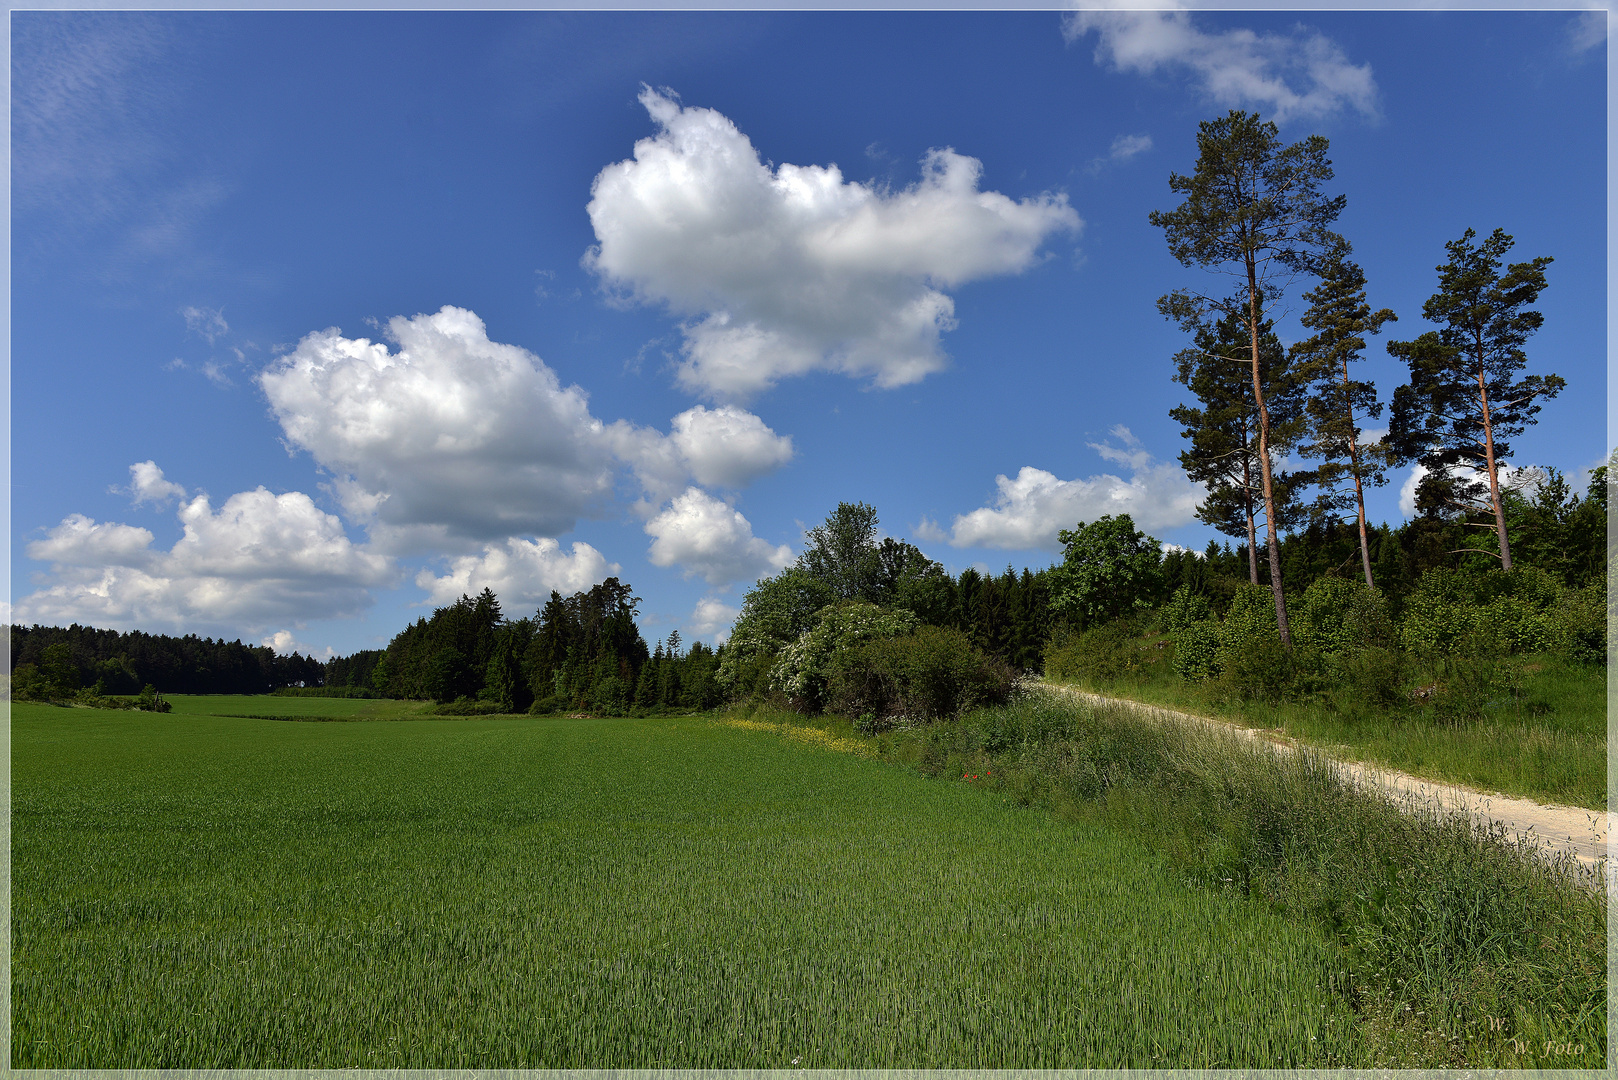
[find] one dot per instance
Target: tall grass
(1462, 946)
(1542, 737)
(197, 891)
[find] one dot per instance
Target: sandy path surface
(1560, 828)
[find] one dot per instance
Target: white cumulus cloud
(147, 484)
(788, 269)
(450, 440)
(520, 572)
(711, 620)
(1032, 507)
(1302, 75)
(260, 559)
(708, 537)
(722, 447)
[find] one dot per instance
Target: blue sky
(319, 320)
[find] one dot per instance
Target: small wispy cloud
(1587, 31)
(1303, 75)
(206, 322)
(1123, 148)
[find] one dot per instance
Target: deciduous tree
(1108, 567)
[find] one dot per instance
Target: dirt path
(1560, 828)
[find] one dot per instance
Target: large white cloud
(259, 560)
(1030, 509)
(452, 438)
(723, 447)
(520, 572)
(704, 535)
(1302, 75)
(791, 269)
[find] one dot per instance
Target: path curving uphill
(1583, 833)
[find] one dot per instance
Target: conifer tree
(1223, 454)
(1337, 401)
(1253, 207)
(1465, 401)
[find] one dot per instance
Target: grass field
(192, 890)
(1549, 744)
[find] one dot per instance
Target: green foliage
(1465, 401)
(1224, 432)
(122, 662)
(1253, 662)
(1196, 650)
(1339, 615)
(1336, 401)
(1373, 677)
(803, 668)
(929, 673)
(1185, 609)
(1107, 569)
(1098, 656)
(775, 613)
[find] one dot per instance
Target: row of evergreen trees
(582, 652)
(122, 663)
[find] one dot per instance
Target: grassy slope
(1551, 745)
(196, 891)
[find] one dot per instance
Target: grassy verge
(204, 891)
(1461, 947)
(1549, 742)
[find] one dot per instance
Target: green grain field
(203, 890)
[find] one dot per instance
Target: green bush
(1474, 681)
(930, 674)
(1577, 625)
(1099, 656)
(1372, 676)
(465, 706)
(1253, 663)
(1521, 610)
(1185, 609)
(803, 668)
(1196, 651)
(1436, 623)
(1336, 615)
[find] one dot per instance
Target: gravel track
(1559, 829)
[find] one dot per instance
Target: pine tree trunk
(1252, 532)
(1494, 478)
(1264, 463)
(1354, 469)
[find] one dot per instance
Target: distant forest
(122, 663)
